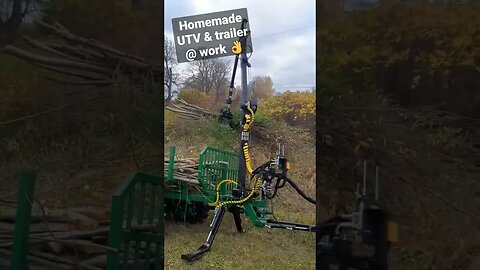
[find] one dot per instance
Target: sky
(283, 37)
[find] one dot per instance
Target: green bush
(261, 118)
(294, 108)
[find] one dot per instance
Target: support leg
(214, 226)
(235, 210)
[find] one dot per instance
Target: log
(132, 60)
(37, 227)
(196, 107)
(100, 261)
(54, 247)
(186, 110)
(90, 82)
(193, 114)
(86, 246)
(80, 53)
(51, 217)
(51, 257)
(75, 73)
(97, 214)
(37, 44)
(38, 261)
(55, 61)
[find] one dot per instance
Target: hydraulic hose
(249, 119)
(248, 164)
(217, 190)
(246, 198)
(309, 199)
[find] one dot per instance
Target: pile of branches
(82, 61)
(189, 111)
(76, 238)
(184, 169)
(60, 239)
(87, 64)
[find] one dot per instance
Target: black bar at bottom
(217, 220)
(290, 226)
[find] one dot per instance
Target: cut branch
(54, 61)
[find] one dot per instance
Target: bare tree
(171, 75)
(12, 13)
(262, 88)
(208, 75)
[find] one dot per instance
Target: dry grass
(257, 248)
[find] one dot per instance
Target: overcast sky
(283, 37)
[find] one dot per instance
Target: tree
(12, 13)
(262, 88)
(171, 76)
(209, 75)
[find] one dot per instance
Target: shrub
(195, 97)
(261, 117)
(295, 108)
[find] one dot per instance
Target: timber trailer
(221, 186)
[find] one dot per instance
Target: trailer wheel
(191, 212)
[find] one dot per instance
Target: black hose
(309, 199)
(326, 229)
(280, 184)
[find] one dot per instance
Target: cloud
(283, 36)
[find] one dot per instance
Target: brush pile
(184, 169)
(60, 239)
(79, 61)
(186, 110)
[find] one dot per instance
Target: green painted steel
(252, 215)
(171, 160)
(22, 221)
(214, 166)
(136, 225)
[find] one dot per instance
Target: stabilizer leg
(235, 210)
(205, 247)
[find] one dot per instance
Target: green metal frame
(22, 221)
(136, 224)
(214, 166)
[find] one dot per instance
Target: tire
(179, 210)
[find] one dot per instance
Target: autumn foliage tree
(419, 54)
(195, 97)
(261, 87)
(295, 108)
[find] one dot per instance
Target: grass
(205, 131)
(257, 248)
